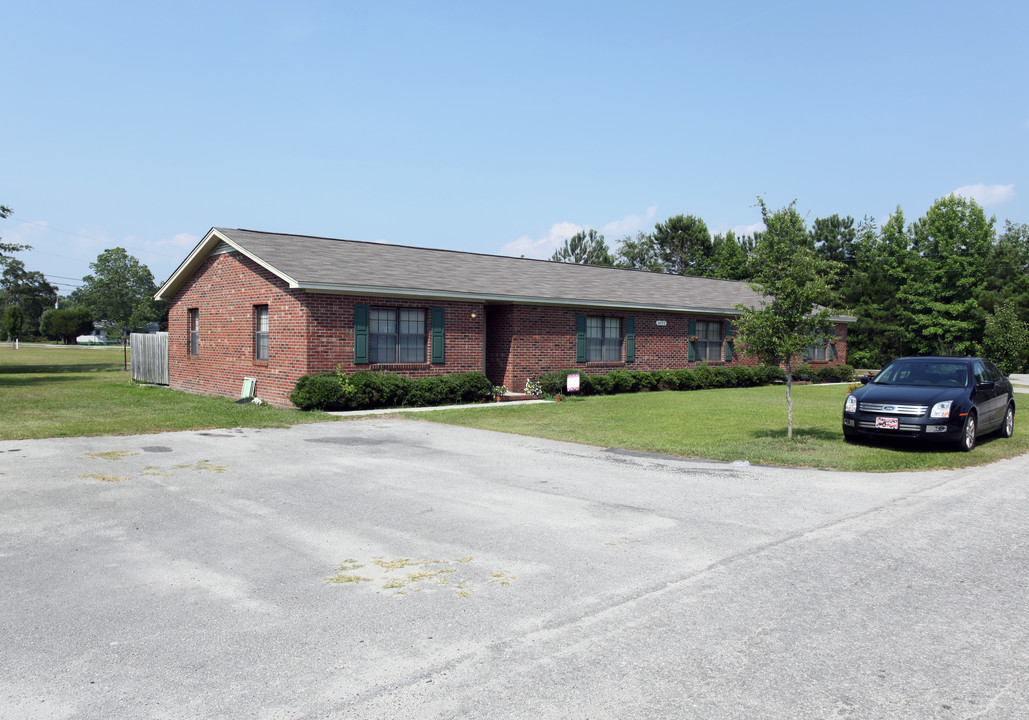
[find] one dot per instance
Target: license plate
(882, 423)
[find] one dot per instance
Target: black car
(953, 399)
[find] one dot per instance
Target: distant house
(99, 337)
(274, 307)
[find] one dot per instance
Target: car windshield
(940, 373)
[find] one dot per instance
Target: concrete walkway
(392, 411)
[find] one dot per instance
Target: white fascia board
(200, 253)
(334, 289)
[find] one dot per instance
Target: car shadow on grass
(914, 445)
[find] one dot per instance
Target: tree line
(118, 295)
(948, 283)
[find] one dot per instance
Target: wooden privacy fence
(150, 357)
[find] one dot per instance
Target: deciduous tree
(12, 323)
(7, 248)
(947, 276)
(796, 284)
(28, 289)
(120, 291)
(66, 324)
(1006, 339)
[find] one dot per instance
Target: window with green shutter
(360, 334)
(437, 335)
(580, 338)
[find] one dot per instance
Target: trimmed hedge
(365, 390)
(700, 378)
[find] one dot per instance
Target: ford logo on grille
(888, 408)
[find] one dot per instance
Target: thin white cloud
(544, 247)
(744, 230)
(25, 233)
(987, 194)
(630, 224)
(184, 240)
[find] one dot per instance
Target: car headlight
(941, 409)
(851, 404)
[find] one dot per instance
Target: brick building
(273, 307)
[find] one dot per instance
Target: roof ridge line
(482, 254)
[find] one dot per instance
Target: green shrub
(644, 380)
(686, 379)
(744, 376)
(721, 377)
(595, 385)
(769, 374)
(321, 391)
(834, 373)
(801, 371)
(622, 381)
(366, 390)
(471, 387)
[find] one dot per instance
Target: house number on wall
(662, 323)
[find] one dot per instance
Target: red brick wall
(331, 335)
(525, 341)
(314, 332)
(225, 290)
(308, 332)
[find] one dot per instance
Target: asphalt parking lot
(389, 568)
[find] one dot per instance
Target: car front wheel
(967, 441)
(1007, 428)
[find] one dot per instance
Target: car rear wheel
(967, 441)
(1007, 428)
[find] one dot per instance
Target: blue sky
(493, 128)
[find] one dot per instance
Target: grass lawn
(727, 424)
(70, 391)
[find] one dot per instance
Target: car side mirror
(865, 379)
(985, 385)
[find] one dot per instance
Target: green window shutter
(580, 338)
(730, 331)
(437, 335)
(360, 334)
(692, 332)
(806, 354)
(831, 354)
(630, 339)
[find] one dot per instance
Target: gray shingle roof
(326, 264)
